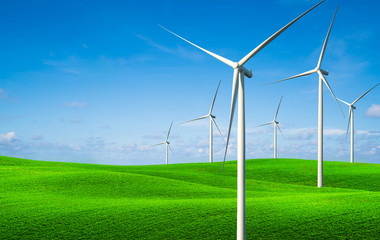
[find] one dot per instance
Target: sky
(100, 82)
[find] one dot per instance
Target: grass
(50, 200)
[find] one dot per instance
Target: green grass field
(48, 200)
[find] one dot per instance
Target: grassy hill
(48, 200)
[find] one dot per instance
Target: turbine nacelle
(324, 72)
(245, 71)
(212, 116)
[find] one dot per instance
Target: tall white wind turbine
(167, 144)
(351, 118)
(238, 89)
(275, 126)
(322, 79)
(212, 121)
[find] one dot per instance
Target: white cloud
(7, 138)
(74, 147)
(301, 133)
(373, 111)
(333, 132)
(75, 104)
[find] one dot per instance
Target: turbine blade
(275, 116)
(195, 119)
(280, 131)
(264, 124)
(326, 40)
(271, 38)
(349, 119)
(159, 144)
(331, 91)
(171, 149)
(213, 101)
(344, 102)
(365, 94)
(218, 129)
(296, 76)
(169, 131)
(225, 60)
(235, 86)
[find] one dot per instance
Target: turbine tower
(322, 79)
(238, 89)
(275, 125)
(351, 117)
(212, 121)
(167, 144)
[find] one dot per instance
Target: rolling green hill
(49, 200)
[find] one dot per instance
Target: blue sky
(100, 82)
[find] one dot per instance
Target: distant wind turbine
(167, 143)
(275, 125)
(238, 89)
(322, 79)
(351, 117)
(212, 121)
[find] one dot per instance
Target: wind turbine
(275, 125)
(351, 117)
(167, 143)
(212, 121)
(238, 87)
(322, 79)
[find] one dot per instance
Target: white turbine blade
(218, 128)
(235, 86)
(344, 102)
(271, 38)
(331, 91)
(213, 101)
(171, 149)
(296, 76)
(195, 119)
(349, 119)
(280, 131)
(264, 124)
(169, 131)
(365, 94)
(275, 116)
(225, 60)
(159, 144)
(326, 40)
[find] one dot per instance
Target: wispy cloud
(2, 93)
(75, 120)
(37, 137)
(95, 143)
(373, 111)
(179, 50)
(75, 104)
(69, 65)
